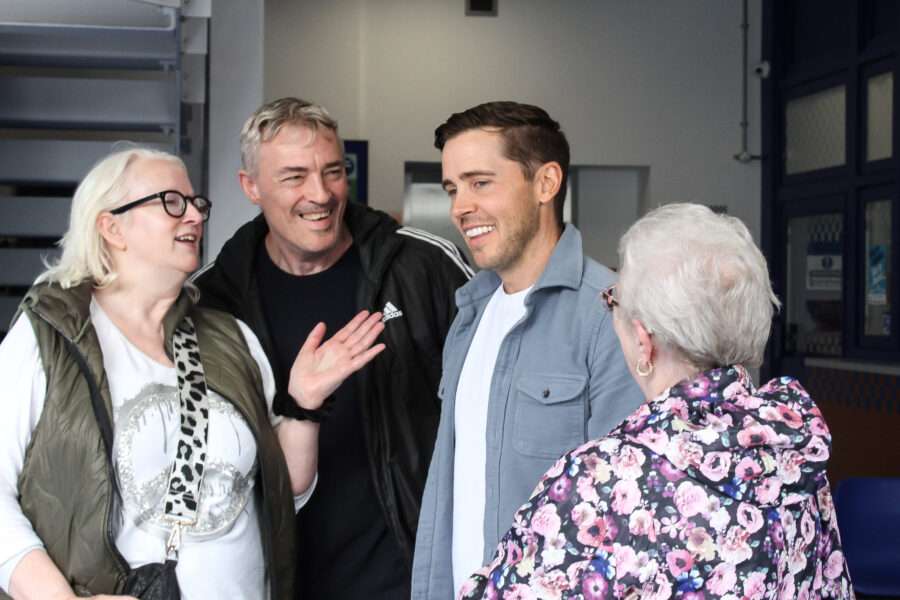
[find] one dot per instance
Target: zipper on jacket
(103, 422)
(266, 516)
(381, 472)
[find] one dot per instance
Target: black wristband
(283, 404)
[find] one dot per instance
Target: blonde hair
(699, 283)
(268, 120)
(85, 255)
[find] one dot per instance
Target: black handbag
(158, 581)
(154, 581)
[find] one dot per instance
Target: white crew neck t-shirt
(473, 393)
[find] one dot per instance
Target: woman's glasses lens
(176, 204)
(203, 205)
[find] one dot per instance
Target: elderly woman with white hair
(712, 488)
(137, 442)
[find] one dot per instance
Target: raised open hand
(320, 368)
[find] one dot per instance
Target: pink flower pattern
(710, 490)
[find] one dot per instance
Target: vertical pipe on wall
(744, 155)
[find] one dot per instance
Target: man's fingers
(313, 339)
(360, 360)
(368, 337)
(364, 330)
(347, 330)
(344, 368)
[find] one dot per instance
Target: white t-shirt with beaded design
(221, 556)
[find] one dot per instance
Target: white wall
(649, 83)
(602, 223)
(235, 91)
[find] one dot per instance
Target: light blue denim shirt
(560, 380)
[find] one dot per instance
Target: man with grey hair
(313, 256)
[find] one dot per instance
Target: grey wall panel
(89, 103)
(88, 14)
(34, 217)
(20, 266)
(53, 162)
(87, 47)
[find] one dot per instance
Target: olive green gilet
(67, 484)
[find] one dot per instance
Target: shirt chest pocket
(550, 414)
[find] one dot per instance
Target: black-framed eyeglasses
(174, 203)
(609, 298)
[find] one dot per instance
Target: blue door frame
(813, 45)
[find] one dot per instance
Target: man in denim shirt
(532, 366)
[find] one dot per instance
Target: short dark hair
(530, 138)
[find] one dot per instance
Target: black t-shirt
(345, 547)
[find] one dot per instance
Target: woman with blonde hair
(138, 441)
(713, 488)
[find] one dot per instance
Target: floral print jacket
(712, 489)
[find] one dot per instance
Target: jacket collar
(373, 238)
(371, 231)
(68, 310)
(721, 412)
(564, 269)
(238, 254)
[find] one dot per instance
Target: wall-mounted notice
(876, 276)
(823, 272)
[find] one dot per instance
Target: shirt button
(545, 393)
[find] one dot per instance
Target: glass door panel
(878, 268)
(815, 130)
(879, 116)
(814, 312)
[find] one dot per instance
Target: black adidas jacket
(417, 273)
